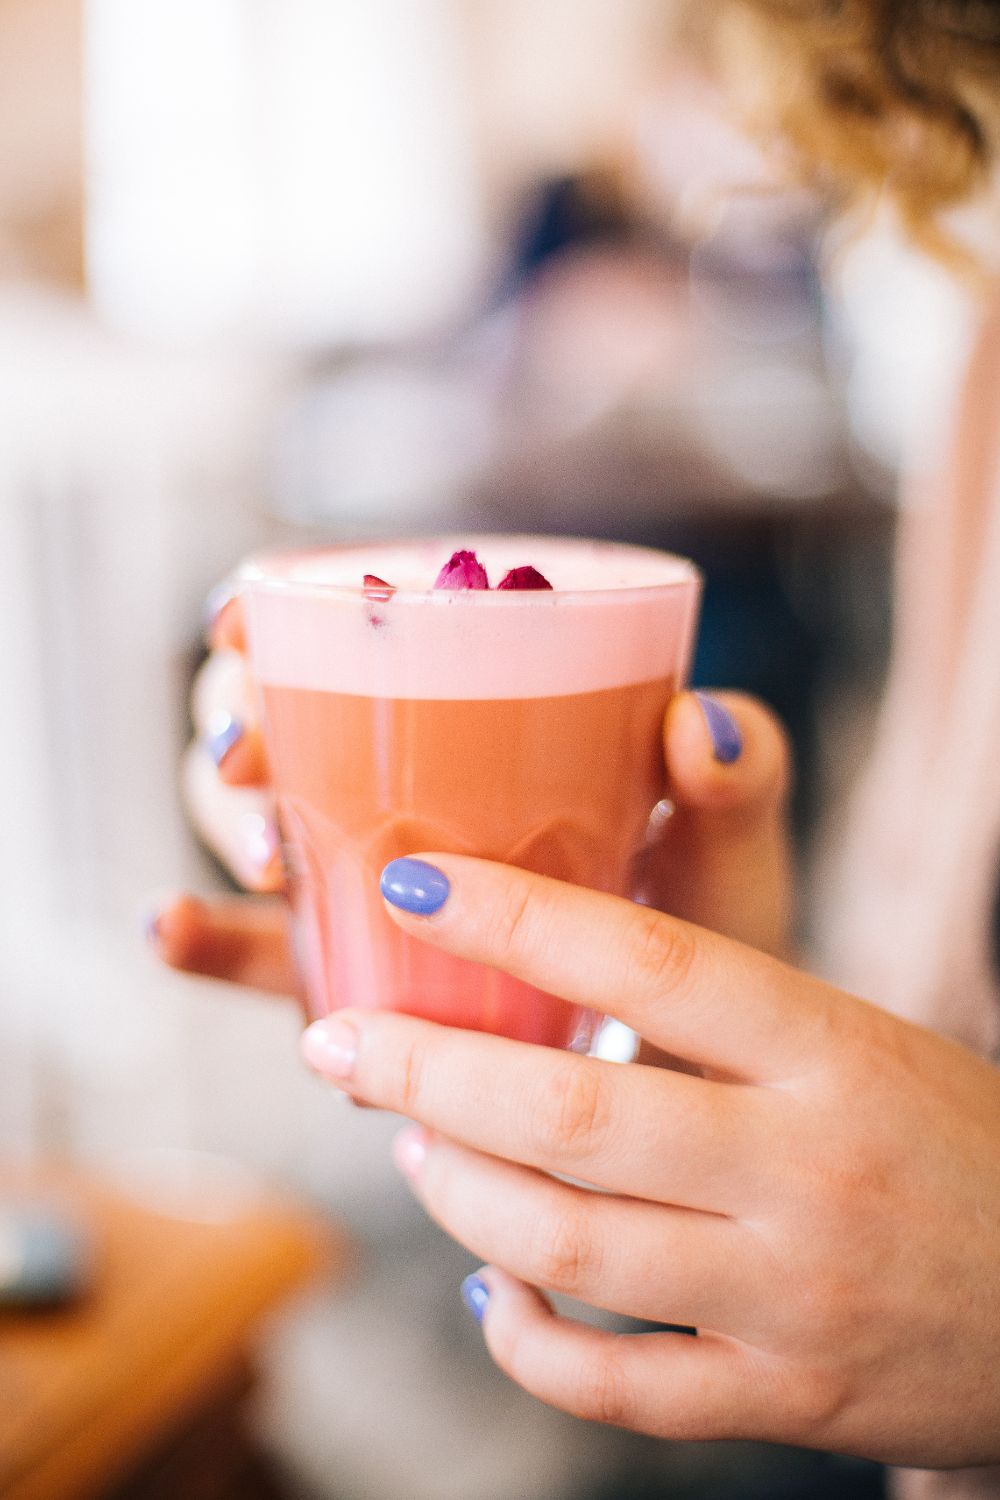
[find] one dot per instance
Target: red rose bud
(376, 588)
(524, 578)
(463, 570)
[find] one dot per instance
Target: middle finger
(641, 1131)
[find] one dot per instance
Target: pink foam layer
(617, 615)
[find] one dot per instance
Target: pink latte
(520, 727)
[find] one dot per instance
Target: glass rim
(253, 573)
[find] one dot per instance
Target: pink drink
(522, 727)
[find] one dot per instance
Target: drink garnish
(377, 588)
(463, 570)
(524, 578)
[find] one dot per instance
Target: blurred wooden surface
(154, 1361)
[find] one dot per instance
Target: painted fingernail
(476, 1296)
(409, 1151)
(727, 742)
(414, 886)
(223, 733)
(331, 1046)
(260, 839)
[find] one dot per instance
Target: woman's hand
(825, 1210)
(229, 800)
(719, 859)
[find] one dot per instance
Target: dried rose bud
(463, 570)
(524, 578)
(376, 588)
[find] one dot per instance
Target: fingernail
(727, 742)
(331, 1046)
(409, 1151)
(414, 886)
(223, 733)
(151, 925)
(260, 839)
(476, 1296)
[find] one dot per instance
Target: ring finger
(642, 1259)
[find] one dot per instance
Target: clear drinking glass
(524, 727)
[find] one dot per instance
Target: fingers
(225, 719)
(669, 1385)
(237, 823)
(688, 991)
(726, 757)
(627, 1256)
(237, 748)
(723, 857)
(247, 942)
(635, 1130)
(224, 774)
(225, 624)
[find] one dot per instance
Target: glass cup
(524, 727)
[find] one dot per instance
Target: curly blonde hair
(885, 98)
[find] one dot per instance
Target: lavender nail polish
(223, 733)
(415, 886)
(476, 1296)
(727, 742)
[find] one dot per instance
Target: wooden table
(105, 1398)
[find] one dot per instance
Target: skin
(818, 1191)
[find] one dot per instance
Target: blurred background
(286, 269)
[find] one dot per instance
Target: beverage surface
(615, 615)
(570, 565)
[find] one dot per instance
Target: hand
(825, 1209)
(721, 858)
(225, 782)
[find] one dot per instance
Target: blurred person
(816, 1188)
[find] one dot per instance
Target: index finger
(689, 991)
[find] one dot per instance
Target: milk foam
(616, 615)
(569, 565)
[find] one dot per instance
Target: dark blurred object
(45, 1255)
(138, 1391)
(572, 212)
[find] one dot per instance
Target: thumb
(723, 859)
(727, 759)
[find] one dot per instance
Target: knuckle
(603, 1392)
(571, 1118)
(662, 953)
(816, 1401)
(407, 1080)
(510, 922)
(565, 1256)
(848, 1179)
